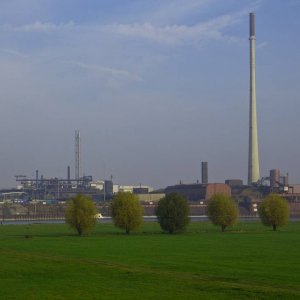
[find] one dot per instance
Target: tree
(173, 213)
(80, 213)
(274, 211)
(222, 211)
(127, 212)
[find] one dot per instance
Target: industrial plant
(45, 192)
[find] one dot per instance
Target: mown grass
(248, 262)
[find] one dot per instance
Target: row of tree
(172, 212)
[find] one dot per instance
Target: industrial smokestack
(69, 174)
(77, 154)
(274, 178)
(36, 178)
(252, 24)
(253, 160)
(204, 171)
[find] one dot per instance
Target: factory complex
(47, 196)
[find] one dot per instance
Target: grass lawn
(248, 261)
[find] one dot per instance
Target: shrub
(80, 213)
(173, 213)
(274, 211)
(127, 212)
(222, 211)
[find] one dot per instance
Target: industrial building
(41, 188)
(198, 192)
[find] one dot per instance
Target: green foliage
(222, 211)
(173, 213)
(274, 211)
(127, 212)
(80, 213)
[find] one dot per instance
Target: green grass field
(247, 262)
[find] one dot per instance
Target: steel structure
(55, 188)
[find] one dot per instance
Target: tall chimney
(77, 154)
(204, 172)
(253, 160)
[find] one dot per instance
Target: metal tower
(253, 161)
(77, 154)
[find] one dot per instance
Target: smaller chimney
(69, 174)
(274, 178)
(204, 171)
(36, 178)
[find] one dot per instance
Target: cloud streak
(105, 70)
(39, 27)
(14, 53)
(178, 34)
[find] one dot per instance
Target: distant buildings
(197, 191)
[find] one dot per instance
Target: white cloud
(39, 27)
(105, 70)
(177, 34)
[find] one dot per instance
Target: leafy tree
(80, 213)
(274, 211)
(222, 211)
(173, 213)
(127, 212)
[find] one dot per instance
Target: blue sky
(155, 87)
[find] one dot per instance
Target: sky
(155, 87)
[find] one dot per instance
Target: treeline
(172, 212)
